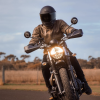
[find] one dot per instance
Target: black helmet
(48, 16)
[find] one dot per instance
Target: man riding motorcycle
(55, 29)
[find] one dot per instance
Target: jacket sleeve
(36, 34)
(64, 26)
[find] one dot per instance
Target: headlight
(56, 52)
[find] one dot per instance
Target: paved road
(33, 95)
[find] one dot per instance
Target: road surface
(34, 95)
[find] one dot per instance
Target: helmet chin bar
(48, 24)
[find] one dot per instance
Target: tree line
(12, 62)
(91, 63)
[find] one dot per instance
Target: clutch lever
(44, 46)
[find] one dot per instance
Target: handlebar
(42, 45)
(29, 48)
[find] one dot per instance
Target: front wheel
(69, 95)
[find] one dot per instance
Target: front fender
(59, 62)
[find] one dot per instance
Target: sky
(18, 16)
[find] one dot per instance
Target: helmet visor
(46, 17)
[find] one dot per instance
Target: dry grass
(92, 75)
(95, 89)
(1, 83)
(24, 87)
(30, 76)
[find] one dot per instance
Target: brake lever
(43, 46)
(64, 38)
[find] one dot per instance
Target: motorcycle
(64, 81)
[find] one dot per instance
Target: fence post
(3, 74)
(37, 75)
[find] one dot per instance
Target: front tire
(69, 95)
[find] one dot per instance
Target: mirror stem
(68, 27)
(34, 37)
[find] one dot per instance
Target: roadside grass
(32, 76)
(23, 76)
(24, 87)
(26, 80)
(95, 89)
(42, 87)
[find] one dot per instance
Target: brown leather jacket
(55, 32)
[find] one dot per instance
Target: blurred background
(18, 16)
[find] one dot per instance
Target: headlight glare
(57, 52)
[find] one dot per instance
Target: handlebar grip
(30, 48)
(75, 34)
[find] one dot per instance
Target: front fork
(70, 70)
(56, 76)
(72, 79)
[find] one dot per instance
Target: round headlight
(56, 52)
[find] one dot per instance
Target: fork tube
(57, 81)
(70, 68)
(55, 74)
(51, 62)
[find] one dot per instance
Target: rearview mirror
(74, 20)
(27, 34)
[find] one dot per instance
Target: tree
(17, 59)
(89, 58)
(9, 57)
(83, 63)
(24, 56)
(94, 62)
(2, 53)
(37, 60)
